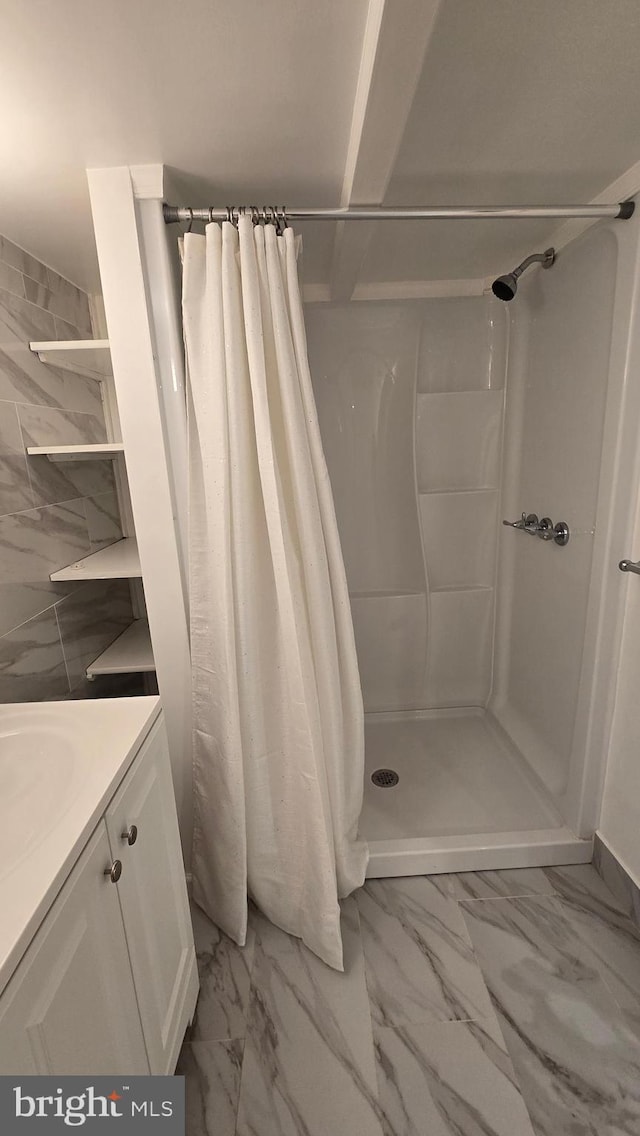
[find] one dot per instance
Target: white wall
(557, 392)
(619, 823)
(620, 819)
(410, 402)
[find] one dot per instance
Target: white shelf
(119, 561)
(81, 355)
(129, 653)
(95, 450)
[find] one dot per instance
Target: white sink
(36, 775)
(60, 762)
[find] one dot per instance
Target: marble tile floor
(501, 1003)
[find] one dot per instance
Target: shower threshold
(464, 801)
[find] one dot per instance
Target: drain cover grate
(385, 778)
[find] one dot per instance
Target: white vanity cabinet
(109, 982)
(71, 1005)
(143, 834)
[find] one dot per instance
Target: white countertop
(60, 764)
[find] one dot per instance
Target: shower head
(505, 287)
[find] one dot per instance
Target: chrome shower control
(130, 835)
(544, 528)
(528, 523)
(114, 872)
(516, 524)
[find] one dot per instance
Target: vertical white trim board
(136, 384)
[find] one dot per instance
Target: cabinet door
(71, 1005)
(155, 905)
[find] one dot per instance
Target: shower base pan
(464, 800)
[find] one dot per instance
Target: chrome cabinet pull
(114, 872)
(130, 835)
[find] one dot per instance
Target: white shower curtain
(278, 722)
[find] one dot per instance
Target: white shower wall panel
(410, 403)
(363, 363)
(460, 641)
(557, 389)
(550, 595)
(462, 345)
(391, 638)
(458, 440)
(461, 527)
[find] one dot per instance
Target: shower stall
(487, 652)
(477, 641)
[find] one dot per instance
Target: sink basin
(36, 773)
(60, 763)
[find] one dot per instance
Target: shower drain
(385, 778)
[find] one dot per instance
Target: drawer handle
(131, 834)
(114, 872)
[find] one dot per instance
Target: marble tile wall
(498, 1003)
(50, 514)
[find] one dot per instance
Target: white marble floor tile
(450, 1079)
(309, 1066)
(577, 1061)
(583, 885)
(508, 882)
(212, 1082)
(225, 977)
(420, 963)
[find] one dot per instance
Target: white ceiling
(254, 101)
(248, 95)
(518, 103)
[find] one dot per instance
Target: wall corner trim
(147, 181)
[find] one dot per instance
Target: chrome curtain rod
(279, 213)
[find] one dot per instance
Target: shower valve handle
(528, 523)
(516, 524)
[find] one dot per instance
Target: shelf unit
(119, 561)
(130, 653)
(80, 452)
(83, 355)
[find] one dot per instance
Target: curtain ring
(272, 215)
(230, 214)
(210, 214)
(282, 219)
(190, 225)
(255, 214)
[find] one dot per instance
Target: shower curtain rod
(172, 213)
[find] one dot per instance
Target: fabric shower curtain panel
(278, 720)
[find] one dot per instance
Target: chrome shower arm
(545, 258)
